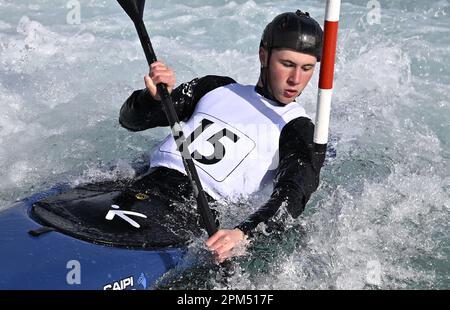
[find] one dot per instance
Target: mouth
(290, 93)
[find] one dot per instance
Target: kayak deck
(55, 260)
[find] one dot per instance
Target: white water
(381, 216)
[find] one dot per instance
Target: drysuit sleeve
(297, 175)
(140, 111)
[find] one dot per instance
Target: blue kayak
(97, 236)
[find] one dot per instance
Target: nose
(295, 77)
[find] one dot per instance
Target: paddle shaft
(200, 196)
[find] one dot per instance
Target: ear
(263, 57)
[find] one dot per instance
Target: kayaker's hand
(159, 73)
(224, 241)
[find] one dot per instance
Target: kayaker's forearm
(297, 176)
(293, 195)
(140, 111)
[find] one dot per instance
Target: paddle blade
(134, 8)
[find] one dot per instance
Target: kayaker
(241, 136)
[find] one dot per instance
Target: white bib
(233, 138)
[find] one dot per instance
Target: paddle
(135, 9)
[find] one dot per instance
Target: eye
(288, 64)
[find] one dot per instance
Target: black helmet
(297, 31)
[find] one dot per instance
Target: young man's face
(289, 72)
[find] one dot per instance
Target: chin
(286, 100)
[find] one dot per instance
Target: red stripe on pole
(328, 55)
